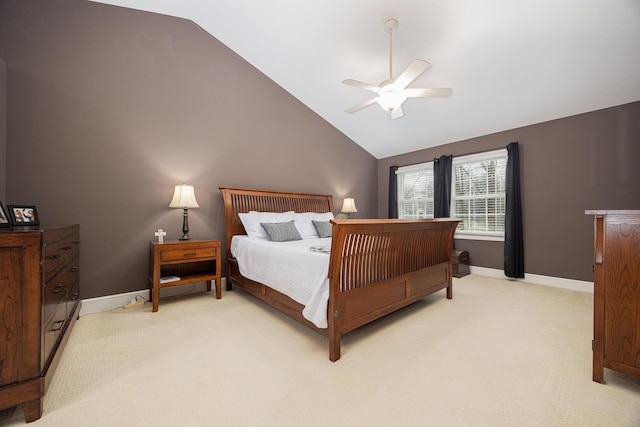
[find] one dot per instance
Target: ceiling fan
(393, 92)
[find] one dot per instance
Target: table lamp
(349, 206)
(184, 197)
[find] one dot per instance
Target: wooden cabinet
(190, 261)
(39, 300)
(616, 295)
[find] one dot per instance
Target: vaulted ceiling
(510, 63)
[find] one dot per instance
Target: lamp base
(185, 226)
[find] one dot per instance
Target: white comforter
(291, 268)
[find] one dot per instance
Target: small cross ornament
(160, 235)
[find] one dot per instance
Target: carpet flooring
(500, 353)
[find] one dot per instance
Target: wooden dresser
(616, 294)
(39, 300)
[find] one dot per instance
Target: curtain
(513, 232)
(393, 192)
(442, 186)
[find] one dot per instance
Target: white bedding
(290, 268)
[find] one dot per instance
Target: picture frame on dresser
(4, 219)
(23, 215)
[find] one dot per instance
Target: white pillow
(322, 216)
(251, 222)
(305, 226)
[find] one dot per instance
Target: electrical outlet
(134, 303)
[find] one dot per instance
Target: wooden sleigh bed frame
(376, 266)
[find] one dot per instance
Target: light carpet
(500, 353)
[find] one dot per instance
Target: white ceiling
(510, 63)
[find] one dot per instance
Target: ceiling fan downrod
(390, 26)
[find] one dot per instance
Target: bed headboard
(239, 200)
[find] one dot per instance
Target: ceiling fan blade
(360, 106)
(416, 68)
(361, 85)
(428, 92)
(397, 112)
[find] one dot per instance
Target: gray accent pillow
(281, 231)
(323, 228)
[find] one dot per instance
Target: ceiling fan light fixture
(391, 100)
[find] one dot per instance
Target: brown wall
(568, 165)
(109, 108)
(3, 130)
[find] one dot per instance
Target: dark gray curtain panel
(513, 232)
(442, 186)
(393, 192)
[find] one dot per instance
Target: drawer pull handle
(60, 324)
(74, 269)
(67, 248)
(58, 288)
(190, 255)
(54, 256)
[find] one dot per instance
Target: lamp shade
(184, 197)
(349, 205)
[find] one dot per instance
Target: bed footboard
(380, 266)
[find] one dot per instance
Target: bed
(375, 266)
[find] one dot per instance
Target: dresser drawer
(187, 255)
(53, 330)
(56, 289)
(59, 252)
(73, 297)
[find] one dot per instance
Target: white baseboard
(558, 282)
(109, 302)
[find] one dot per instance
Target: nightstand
(186, 261)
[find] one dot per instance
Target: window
(477, 193)
(415, 191)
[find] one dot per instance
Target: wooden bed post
(332, 329)
(334, 347)
(450, 267)
(335, 308)
(333, 324)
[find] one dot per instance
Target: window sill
(465, 236)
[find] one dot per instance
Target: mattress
(298, 269)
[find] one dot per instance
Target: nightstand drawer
(187, 255)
